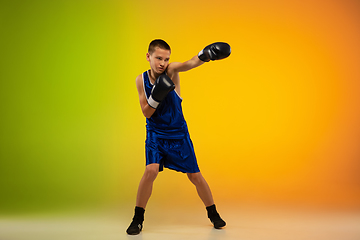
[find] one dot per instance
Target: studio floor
(242, 224)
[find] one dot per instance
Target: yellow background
(277, 121)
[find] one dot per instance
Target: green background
(63, 97)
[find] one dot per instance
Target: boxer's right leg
(146, 184)
(143, 195)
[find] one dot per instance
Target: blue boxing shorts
(177, 154)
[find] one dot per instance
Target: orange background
(279, 119)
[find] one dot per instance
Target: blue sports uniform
(168, 141)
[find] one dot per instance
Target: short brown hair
(158, 43)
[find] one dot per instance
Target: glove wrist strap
(152, 103)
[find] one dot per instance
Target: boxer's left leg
(202, 188)
(205, 195)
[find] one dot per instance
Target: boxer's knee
(195, 178)
(151, 171)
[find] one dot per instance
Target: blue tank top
(168, 119)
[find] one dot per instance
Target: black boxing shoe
(137, 223)
(135, 226)
(217, 221)
(214, 217)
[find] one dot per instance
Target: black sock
(211, 210)
(139, 213)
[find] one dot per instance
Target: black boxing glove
(215, 51)
(162, 86)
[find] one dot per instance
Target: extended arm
(184, 66)
(214, 51)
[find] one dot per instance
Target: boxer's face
(159, 60)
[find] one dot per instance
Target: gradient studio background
(276, 122)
